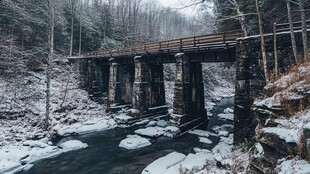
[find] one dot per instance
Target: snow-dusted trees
(290, 21)
(51, 17)
(304, 26)
(72, 9)
(262, 40)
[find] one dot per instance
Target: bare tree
(241, 16)
(72, 8)
(50, 58)
(275, 51)
(290, 21)
(80, 34)
(304, 26)
(262, 40)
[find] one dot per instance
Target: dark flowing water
(103, 156)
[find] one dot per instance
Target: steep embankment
(283, 130)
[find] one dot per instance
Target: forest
(45, 113)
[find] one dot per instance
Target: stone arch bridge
(133, 76)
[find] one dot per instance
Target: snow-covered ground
(22, 108)
(290, 126)
(13, 157)
(204, 161)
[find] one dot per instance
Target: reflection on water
(103, 156)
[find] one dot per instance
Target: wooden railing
(285, 27)
(211, 40)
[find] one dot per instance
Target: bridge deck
(218, 41)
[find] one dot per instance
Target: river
(103, 156)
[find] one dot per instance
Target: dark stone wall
(157, 85)
(148, 89)
(188, 106)
(250, 80)
(94, 78)
(121, 79)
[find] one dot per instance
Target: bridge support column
(120, 85)
(93, 76)
(188, 106)
(148, 89)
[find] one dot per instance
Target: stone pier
(93, 77)
(188, 106)
(120, 85)
(148, 89)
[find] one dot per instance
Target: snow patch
(73, 145)
(7, 166)
(289, 135)
(150, 131)
(293, 167)
(259, 150)
(161, 165)
(134, 142)
(205, 140)
(226, 116)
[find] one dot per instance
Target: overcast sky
(179, 4)
(169, 3)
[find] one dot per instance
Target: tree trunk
(304, 26)
(11, 42)
(80, 40)
(275, 50)
(50, 58)
(262, 40)
(241, 17)
(290, 21)
(72, 22)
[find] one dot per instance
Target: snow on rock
(268, 102)
(151, 131)
(205, 140)
(226, 116)
(202, 133)
(223, 127)
(228, 140)
(122, 118)
(73, 145)
(228, 111)
(222, 150)
(210, 105)
(209, 114)
(151, 124)
(289, 135)
(161, 165)
(192, 162)
(142, 122)
(161, 123)
(7, 166)
(293, 167)
(223, 133)
(307, 126)
(259, 150)
(171, 131)
(134, 142)
(199, 150)
(33, 143)
(97, 124)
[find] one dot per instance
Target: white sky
(169, 3)
(179, 4)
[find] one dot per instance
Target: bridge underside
(138, 82)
